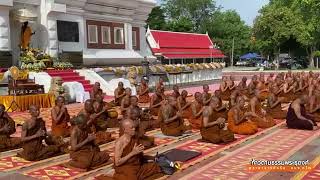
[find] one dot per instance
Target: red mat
(278, 145)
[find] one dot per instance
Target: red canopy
(177, 45)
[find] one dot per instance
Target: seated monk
(129, 161)
(170, 119)
(156, 102)
(213, 127)
(197, 108)
(183, 105)
(252, 86)
(135, 114)
(125, 103)
(297, 117)
(33, 133)
(237, 119)
(85, 154)
(146, 121)
(144, 92)
(262, 88)
(313, 105)
(224, 88)
(242, 86)
(91, 117)
(260, 117)
(233, 98)
(274, 108)
(60, 119)
(107, 119)
(175, 92)
(160, 84)
(222, 108)
(119, 93)
(287, 91)
(95, 90)
(269, 81)
(7, 128)
(206, 95)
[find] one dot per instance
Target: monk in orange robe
(26, 34)
(91, 117)
(262, 119)
(129, 161)
(160, 84)
(213, 127)
(274, 108)
(106, 119)
(144, 92)
(233, 98)
(7, 128)
(119, 93)
(183, 105)
(95, 90)
(206, 95)
(176, 92)
(224, 88)
(269, 81)
(238, 121)
(197, 109)
(262, 88)
(147, 141)
(85, 154)
(313, 105)
(221, 110)
(242, 86)
(252, 86)
(170, 119)
(288, 90)
(125, 103)
(60, 119)
(33, 133)
(157, 100)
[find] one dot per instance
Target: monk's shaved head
(214, 102)
(126, 123)
(80, 119)
(2, 107)
(34, 107)
(184, 93)
(128, 127)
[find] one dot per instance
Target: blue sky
(248, 9)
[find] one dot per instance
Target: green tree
(309, 31)
(274, 26)
(156, 19)
(196, 11)
(226, 26)
(281, 20)
(180, 25)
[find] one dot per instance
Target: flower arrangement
(62, 65)
(34, 60)
(119, 71)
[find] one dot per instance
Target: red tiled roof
(177, 45)
(190, 56)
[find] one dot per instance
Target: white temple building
(101, 32)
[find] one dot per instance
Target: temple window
(67, 31)
(106, 35)
(92, 34)
(118, 35)
(134, 38)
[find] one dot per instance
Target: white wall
(58, 46)
(5, 43)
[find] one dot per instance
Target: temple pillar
(128, 36)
